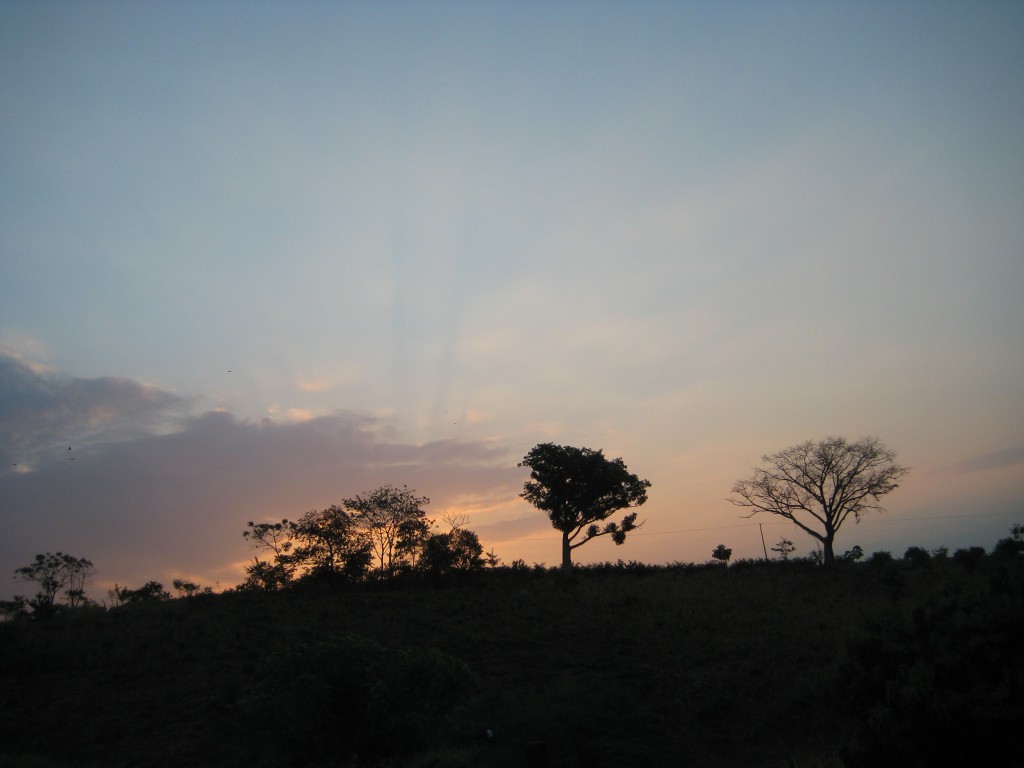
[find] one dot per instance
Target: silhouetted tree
(969, 558)
(722, 554)
(457, 550)
(1011, 546)
(881, 557)
(854, 554)
(785, 548)
(151, 591)
(264, 576)
(330, 543)
(57, 574)
(917, 556)
(14, 608)
(818, 485)
(277, 540)
(578, 488)
(395, 524)
(491, 559)
(190, 589)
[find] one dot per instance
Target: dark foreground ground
(752, 665)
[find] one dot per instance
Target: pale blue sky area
(405, 242)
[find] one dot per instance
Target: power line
(787, 522)
(944, 517)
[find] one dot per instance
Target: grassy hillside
(751, 665)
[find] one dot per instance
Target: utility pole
(762, 542)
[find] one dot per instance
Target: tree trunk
(830, 557)
(566, 554)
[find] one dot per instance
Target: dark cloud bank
(148, 491)
(39, 410)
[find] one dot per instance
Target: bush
(945, 684)
(854, 554)
(1011, 546)
(917, 556)
(880, 558)
(1008, 548)
(348, 697)
(969, 558)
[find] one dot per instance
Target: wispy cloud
(324, 381)
(1003, 459)
(515, 528)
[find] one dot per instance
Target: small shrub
(785, 548)
(854, 554)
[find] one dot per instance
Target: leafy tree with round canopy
(579, 488)
(819, 485)
(722, 554)
(459, 550)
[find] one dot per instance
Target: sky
(257, 258)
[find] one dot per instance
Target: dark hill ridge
(751, 665)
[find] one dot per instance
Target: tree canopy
(330, 543)
(394, 521)
(459, 550)
(57, 574)
(579, 488)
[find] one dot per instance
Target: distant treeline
(329, 548)
(385, 534)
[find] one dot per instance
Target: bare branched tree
(819, 485)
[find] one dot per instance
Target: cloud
(155, 503)
(535, 524)
(1003, 459)
(292, 414)
(41, 409)
(322, 382)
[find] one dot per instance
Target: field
(756, 664)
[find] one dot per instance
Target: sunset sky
(256, 258)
